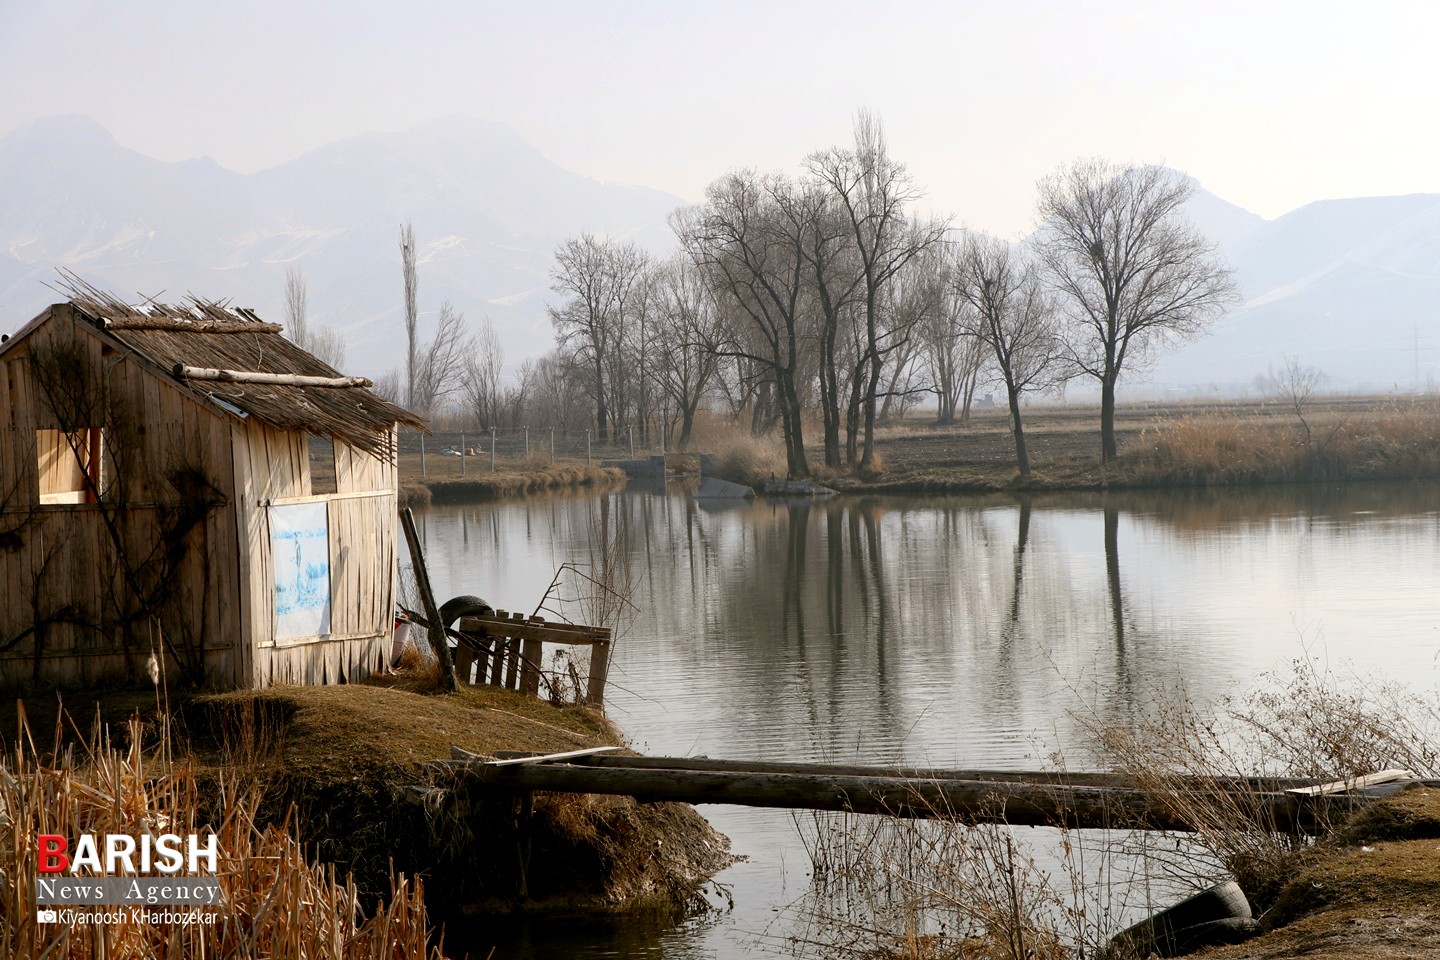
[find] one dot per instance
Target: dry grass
(1303, 722)
(890, 889)
(741, 458)
(274, 901)
(518, 479)
(1399, 440)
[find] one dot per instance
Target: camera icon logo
(47, 916)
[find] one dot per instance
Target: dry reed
(1398, 441)
(274, 902)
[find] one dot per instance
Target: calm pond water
(962, 632)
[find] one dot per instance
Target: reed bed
(274, 902)
(522, 479)
(886, 888)
(1399, 440)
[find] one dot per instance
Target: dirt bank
(348, 765)
(1373, 893)
(351, 761)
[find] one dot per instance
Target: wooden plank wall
(362, 527)
(68, 552)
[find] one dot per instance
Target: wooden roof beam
(276, 379)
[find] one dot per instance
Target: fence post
(492, 449)
(587, 447)
(462, 453)
(630, 430)
(527, 442)
(423, 475)
(552, 444)
(438, 642)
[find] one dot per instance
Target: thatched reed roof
(213, 335)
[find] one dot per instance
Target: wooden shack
(157, 511)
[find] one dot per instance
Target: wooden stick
(278, 379)
(190, 326)
(438, 643)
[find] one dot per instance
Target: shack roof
(212, 336)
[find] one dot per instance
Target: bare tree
(1014, 318)
(388, 387)
(687, 340)
(439, 365)
(748, 239)
(873, 191)
(1295, 385)
(412, 314)
(484, 359)
(598, 278)
(1135, 273)
(296, 313)
(327, 345)
(322, 342)
(952, 356)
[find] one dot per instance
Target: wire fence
(458, 453)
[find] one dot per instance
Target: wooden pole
(1065, 778)
(422, 457)
(438, 643)
(492, 449)
(1017, 804)
(552, 444)
(279, 379)
(462, 453)
(599, 670)
(587, 446)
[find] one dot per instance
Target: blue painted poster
(300, 547)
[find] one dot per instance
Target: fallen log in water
(1081, 806)
(1061, 777)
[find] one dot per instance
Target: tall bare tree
(598, 279)
(687, 341)
(1135, 274)
(412, 313)
(953, 357)
(481, 386)
(1014, 318)
(324, 343)
(439, 365)
(747, 238)
(873, 190)
(297, 321)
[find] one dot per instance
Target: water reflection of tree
(1112, 575)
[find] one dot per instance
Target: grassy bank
(511, 479)
(341, 773)
(1201, 444)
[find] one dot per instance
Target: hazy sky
(1270, 104)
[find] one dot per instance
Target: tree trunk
(794, 429)
(830, 398)
(602, 415)
(1108, 450)
(1022, 458)
(1112, 575)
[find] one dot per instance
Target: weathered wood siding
(68, 568)
(272, 468)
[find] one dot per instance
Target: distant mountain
(1347, 286)
(488, 211)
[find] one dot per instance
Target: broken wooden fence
(507, 650)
